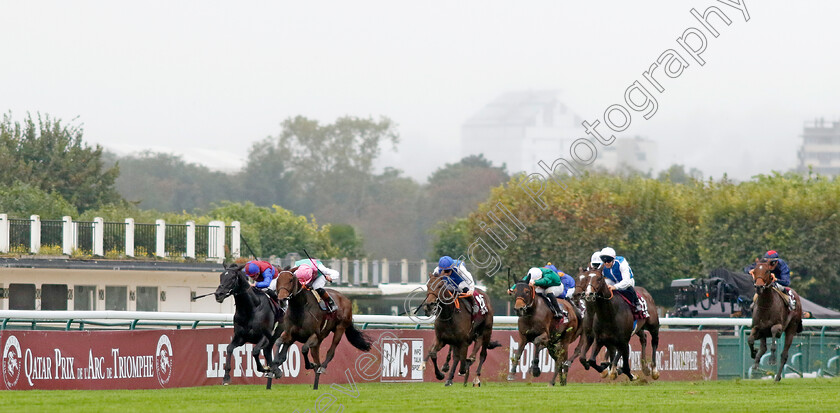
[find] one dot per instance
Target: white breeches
(320, 282)
(557, 290)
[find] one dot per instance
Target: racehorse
(256, 319)
(587, 309)
(772, 317)
(305, 322)
(538, 325)
(457, 328)
(613, 327)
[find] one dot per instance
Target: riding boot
(555, 306)
(327, 299)
(637, 303)
(271, 294)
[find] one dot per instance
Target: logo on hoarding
(163, 360)
(708, 357)
(12, 362)
(402, 360)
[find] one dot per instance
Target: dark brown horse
(537, 325)
(455, 326)
(306, 323)
(772, 317)
(613, 327)
(255, 321)
(587, 310)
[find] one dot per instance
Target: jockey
(595, 262)
(547, 282)
(265, 276)
(781, 275)
(619, 277)
(567, 280)
(310, 276)
(457, 272)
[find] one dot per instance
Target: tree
(677, 174)
(343, 237)
(21, 200)
(52, 156)
(166, 182)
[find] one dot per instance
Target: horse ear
(293, 269)
(286, 268)
(527, 278)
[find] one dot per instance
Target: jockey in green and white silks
(619, 277)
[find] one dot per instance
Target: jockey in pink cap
(310, 276)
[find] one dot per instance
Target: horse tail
(493, 344)
(357, 338)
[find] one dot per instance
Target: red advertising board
(181, 358)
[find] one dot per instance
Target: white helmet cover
(609, 252)
(596, 258)
(535, 273)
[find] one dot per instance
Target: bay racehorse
(256, 320)
(614, 325)
(305, 322)
(587, 310)
(537, 325)
(456, 325)
(772, 317)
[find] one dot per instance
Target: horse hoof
(604, 374)
(445, 368)
(655, 374)
(321, 370)
(772, 361)
(536, 372)
(510, 377)
(448, 383)
(476, 382)
(225, 384)
(634, 377)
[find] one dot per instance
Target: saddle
(637, 315)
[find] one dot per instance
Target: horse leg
(455, 359)
(316, 363)
(625, 356)
(236, 342)
(433, 355)
(539, 342)
(654, 347)
(465, 362)
(310, 342)
(613, 362)
(482, 356)
(337, 334)
(586, 342)
(258, 347)
(762, 349)
(445, 366)
(751, 342)
(775, 332)
(280, 355)
(516, 356)
(788, 340)
(592, 362)
(643, 343)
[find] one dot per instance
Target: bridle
(533, 297)
(596, 294)
(295, 289)
(765, 274)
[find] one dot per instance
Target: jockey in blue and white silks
(458, 274)
(619, 277)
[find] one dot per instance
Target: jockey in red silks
(265, 276)
(309, 275)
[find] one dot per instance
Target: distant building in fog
(520, 129)
(820, 147)
(637, 153)
(525, 127)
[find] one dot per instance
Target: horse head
(231, 281)
(763, 274)
(287, 284)
(438, 291)
(524, 295)
(596, 285)
(582, 282)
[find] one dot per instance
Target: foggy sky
(207, 79)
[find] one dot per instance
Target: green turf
(820, 395)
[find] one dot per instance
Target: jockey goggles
(607, 259)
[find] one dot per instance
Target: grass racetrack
(816, 395)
